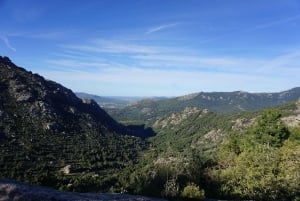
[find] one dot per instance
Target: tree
(250, 162)
(289, 167)
(255, 174)
(269, 129)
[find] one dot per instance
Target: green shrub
(193, 192)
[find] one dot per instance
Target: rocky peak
(54, 106)
(6, 61)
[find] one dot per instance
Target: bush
(171, 188)
(193, 192)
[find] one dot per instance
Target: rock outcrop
(11, 190)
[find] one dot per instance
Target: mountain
(219, 102)
(50, 137)
(202, 147)
(194, 128)
(45, 129)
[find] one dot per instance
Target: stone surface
(11, 190)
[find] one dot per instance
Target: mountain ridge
(219, 102)
(27, 87)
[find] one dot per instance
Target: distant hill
(44, 127)
(219, 102)
(114, 102)
(109, 102)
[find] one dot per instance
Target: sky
(155, 47)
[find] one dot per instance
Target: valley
(113, 102)
(221, 145)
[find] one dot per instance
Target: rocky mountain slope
(219, 102)
(196, 145)
(193, 128)
(45, 127)
(46, 100)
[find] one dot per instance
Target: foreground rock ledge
(12, 190)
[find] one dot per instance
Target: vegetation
(150, 110)
(192, 192)
(44, 128)
(251, 163)
(50, 137)
(258, 160)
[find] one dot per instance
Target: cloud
(122, 67)
(128, 55)
(151, 57)
(274, 23)
(48, 35)
(200, 63)
(105, 46)
(161, 27)
(158, 82)
(75, 64)
(285, 64)
(7, 43)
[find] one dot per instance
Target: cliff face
(11, 190)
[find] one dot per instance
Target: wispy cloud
(76, 64)
(107, 46)
(48, 35)
(169, 82)
(146, 56)
(161, 27)
(285, 64)
(200, 63)
(131, 55)
(144, 67)
(274, 23)
(7, 43)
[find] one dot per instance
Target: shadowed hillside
(45, 127)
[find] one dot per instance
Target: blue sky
(156, 47)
